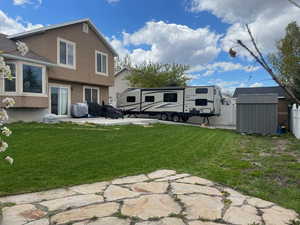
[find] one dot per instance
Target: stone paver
(159, 198)
(106, 221)
(73, 201)
(180, 188)
(161, 173)
(38, 196)
(174, 177)
(21, 214)
(114, 192)
(151, 187)
(278, 215)
(90, 188)
(256, 202)
(165, 221)
(195, 180)
(84, 213)
(202, 206)
(242, 215)
(130, 180)
(149, 206)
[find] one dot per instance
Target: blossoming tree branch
(5, 73)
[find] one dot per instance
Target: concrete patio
(163, 197)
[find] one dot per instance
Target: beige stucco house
(67, 63)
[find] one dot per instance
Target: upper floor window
(101, 63)
(10, 84)
(66, 53)
(33, 79)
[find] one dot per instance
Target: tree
(258, 56)
(286, 61)
(295, 3)
(155, 75)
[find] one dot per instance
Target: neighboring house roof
(260, 90)
(9, 49)
(122, 70)
(43, 29)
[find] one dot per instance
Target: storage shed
(257, 114)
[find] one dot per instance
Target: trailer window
(201, 90)
(170, 97)
(201, 102)
(130, 98)
(149, 98)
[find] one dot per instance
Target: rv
(173, 103)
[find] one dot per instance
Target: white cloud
(220, 67)
(257, 84)
(112, 1)
(267, 20)
(37, 3)
(168, 43)
(9, 25)
(20, 2)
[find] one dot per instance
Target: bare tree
(258, 56)
(295, 3)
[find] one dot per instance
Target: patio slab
(180, 199)
(111, 122)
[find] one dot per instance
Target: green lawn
(51, 156)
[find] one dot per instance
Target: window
(10, 85)
(170, 97)
(85, 28)
(201, 90)
(130, 98)
(32, 79)
(201, 102)
(101, 63)
(149, 98)
(66, 53)
(91, 95)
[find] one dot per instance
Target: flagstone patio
(159, 198)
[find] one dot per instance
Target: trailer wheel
(164, 116)
(176, 118)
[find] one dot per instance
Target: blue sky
(194, 32)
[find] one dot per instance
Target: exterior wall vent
(85, 28)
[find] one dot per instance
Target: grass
(51, 156)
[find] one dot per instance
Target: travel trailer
(172, 103)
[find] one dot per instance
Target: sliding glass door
(59, 100)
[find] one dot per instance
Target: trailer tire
(176, 118)
(164, 116)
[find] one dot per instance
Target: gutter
(10, 56)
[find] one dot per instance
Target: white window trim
(69, 97)
(58, 53)
(16, 80)
(96, 69)
(90, 87)
(44, 82)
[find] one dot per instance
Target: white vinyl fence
(295, 121)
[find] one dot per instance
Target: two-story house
(67, 63)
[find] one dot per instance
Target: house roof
(260, 90)
(44, 29)
(10, 51)
(122, 70)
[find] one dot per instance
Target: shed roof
(260, 90)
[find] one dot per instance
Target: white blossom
(9, 159)
(5, 131)
(5, 71)
(22, 47)
(8, 102)
(3, 115)
(3, 146)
